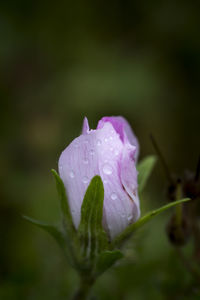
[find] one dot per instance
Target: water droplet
(71, 174)
(85, 179)
(105, 181)
(111, 138)
(85, 161)
(106, 140)
(116, 152)
(107, 169)
(111, 148)
(113, 196)
(92, 152)
(60, 167)
(99, 143)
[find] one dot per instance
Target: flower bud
(110, 151)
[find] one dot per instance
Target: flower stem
(84, 288)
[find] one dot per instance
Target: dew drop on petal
(92, 152)
(111, 138)
(113, 196)
(107, 169)
(85, 179)
(116, 152)
(98, 142)
(85, 161)
(71, 174)
(106, 140)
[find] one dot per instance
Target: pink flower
(110, 151)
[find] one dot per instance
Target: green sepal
(143, 220)
(92, 236)
(70, 233)
(53, 230)
(66, 214)
(145, 168)
(60, 238)
(106, 260)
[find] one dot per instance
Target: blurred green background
(61, 61)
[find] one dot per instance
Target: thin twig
(196, 178)
(188, 265)
(163, 162)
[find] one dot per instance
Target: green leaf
(53, 230)
(145, 168)
(92, 236)
(106, 260)
(60, 238)
(133, 227)
(66, 214)
(71, 238)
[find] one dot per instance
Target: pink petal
(128, 175)
(86, 127)
(124, 130)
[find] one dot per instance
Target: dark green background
(61, 61)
